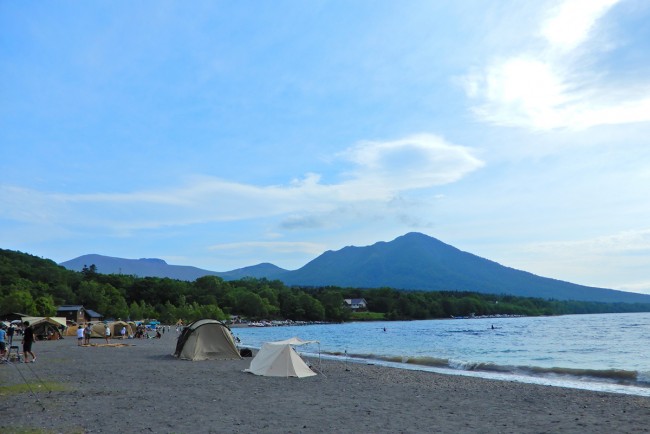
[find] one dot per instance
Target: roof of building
(69, 307)
(93, 314)
(355, 300)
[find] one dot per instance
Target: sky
(224, 134)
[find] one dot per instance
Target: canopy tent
(59, 320)
(46, 327)
(280, 359)
(206, 339)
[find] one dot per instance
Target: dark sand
(142, 388)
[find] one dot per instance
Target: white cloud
(551, 86)
(571, 22)
(419, 161)
(382, 171)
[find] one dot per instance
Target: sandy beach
(140, 387)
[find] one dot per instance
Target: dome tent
(206, 339)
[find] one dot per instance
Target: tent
(72, 330)
(280, 359)
(46, 328)
(98, 330)
(58, 320)
(206, 339)
(116, 329)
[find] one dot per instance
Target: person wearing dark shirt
(10, 334)
(28, 340)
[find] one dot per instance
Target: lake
(607, 352)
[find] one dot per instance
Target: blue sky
(225, 134)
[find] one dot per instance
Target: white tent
(279, 359)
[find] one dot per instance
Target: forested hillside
(36, 286)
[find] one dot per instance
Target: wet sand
(141, 388)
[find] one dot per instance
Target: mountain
(258, 271)
(413, 261)
(152, 267)
(417, 261)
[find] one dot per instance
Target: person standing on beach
(87, 334)
(80, 335)
(10, 332)
(3, 347)
(123, 332)
(28, 340)
(107, 333)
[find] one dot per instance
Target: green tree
(312, 308)
(19, 301)
(333, 304)
(45, 305)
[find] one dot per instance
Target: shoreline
(140, 387)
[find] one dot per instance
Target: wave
(615, 376)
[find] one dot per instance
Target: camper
(206, 339)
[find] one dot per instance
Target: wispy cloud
(629, 243)
(381, 171)
(275, 246)
(613, 261)
(545, 87)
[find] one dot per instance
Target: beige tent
(72, 330)
(206, 339)
(116, 329)
(58, 320)
(46, 328)
(279, 359)
(98, 330)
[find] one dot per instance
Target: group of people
(142, 332)
(84, 334)
(7, 337)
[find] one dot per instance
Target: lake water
(607, 352)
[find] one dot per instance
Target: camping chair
(15, 356)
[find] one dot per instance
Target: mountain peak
(153, 261)
(416, 261)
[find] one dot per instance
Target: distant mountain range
(152, 267)
(411, 262)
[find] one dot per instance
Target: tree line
(36, 286)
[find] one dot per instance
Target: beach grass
(17, 389)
